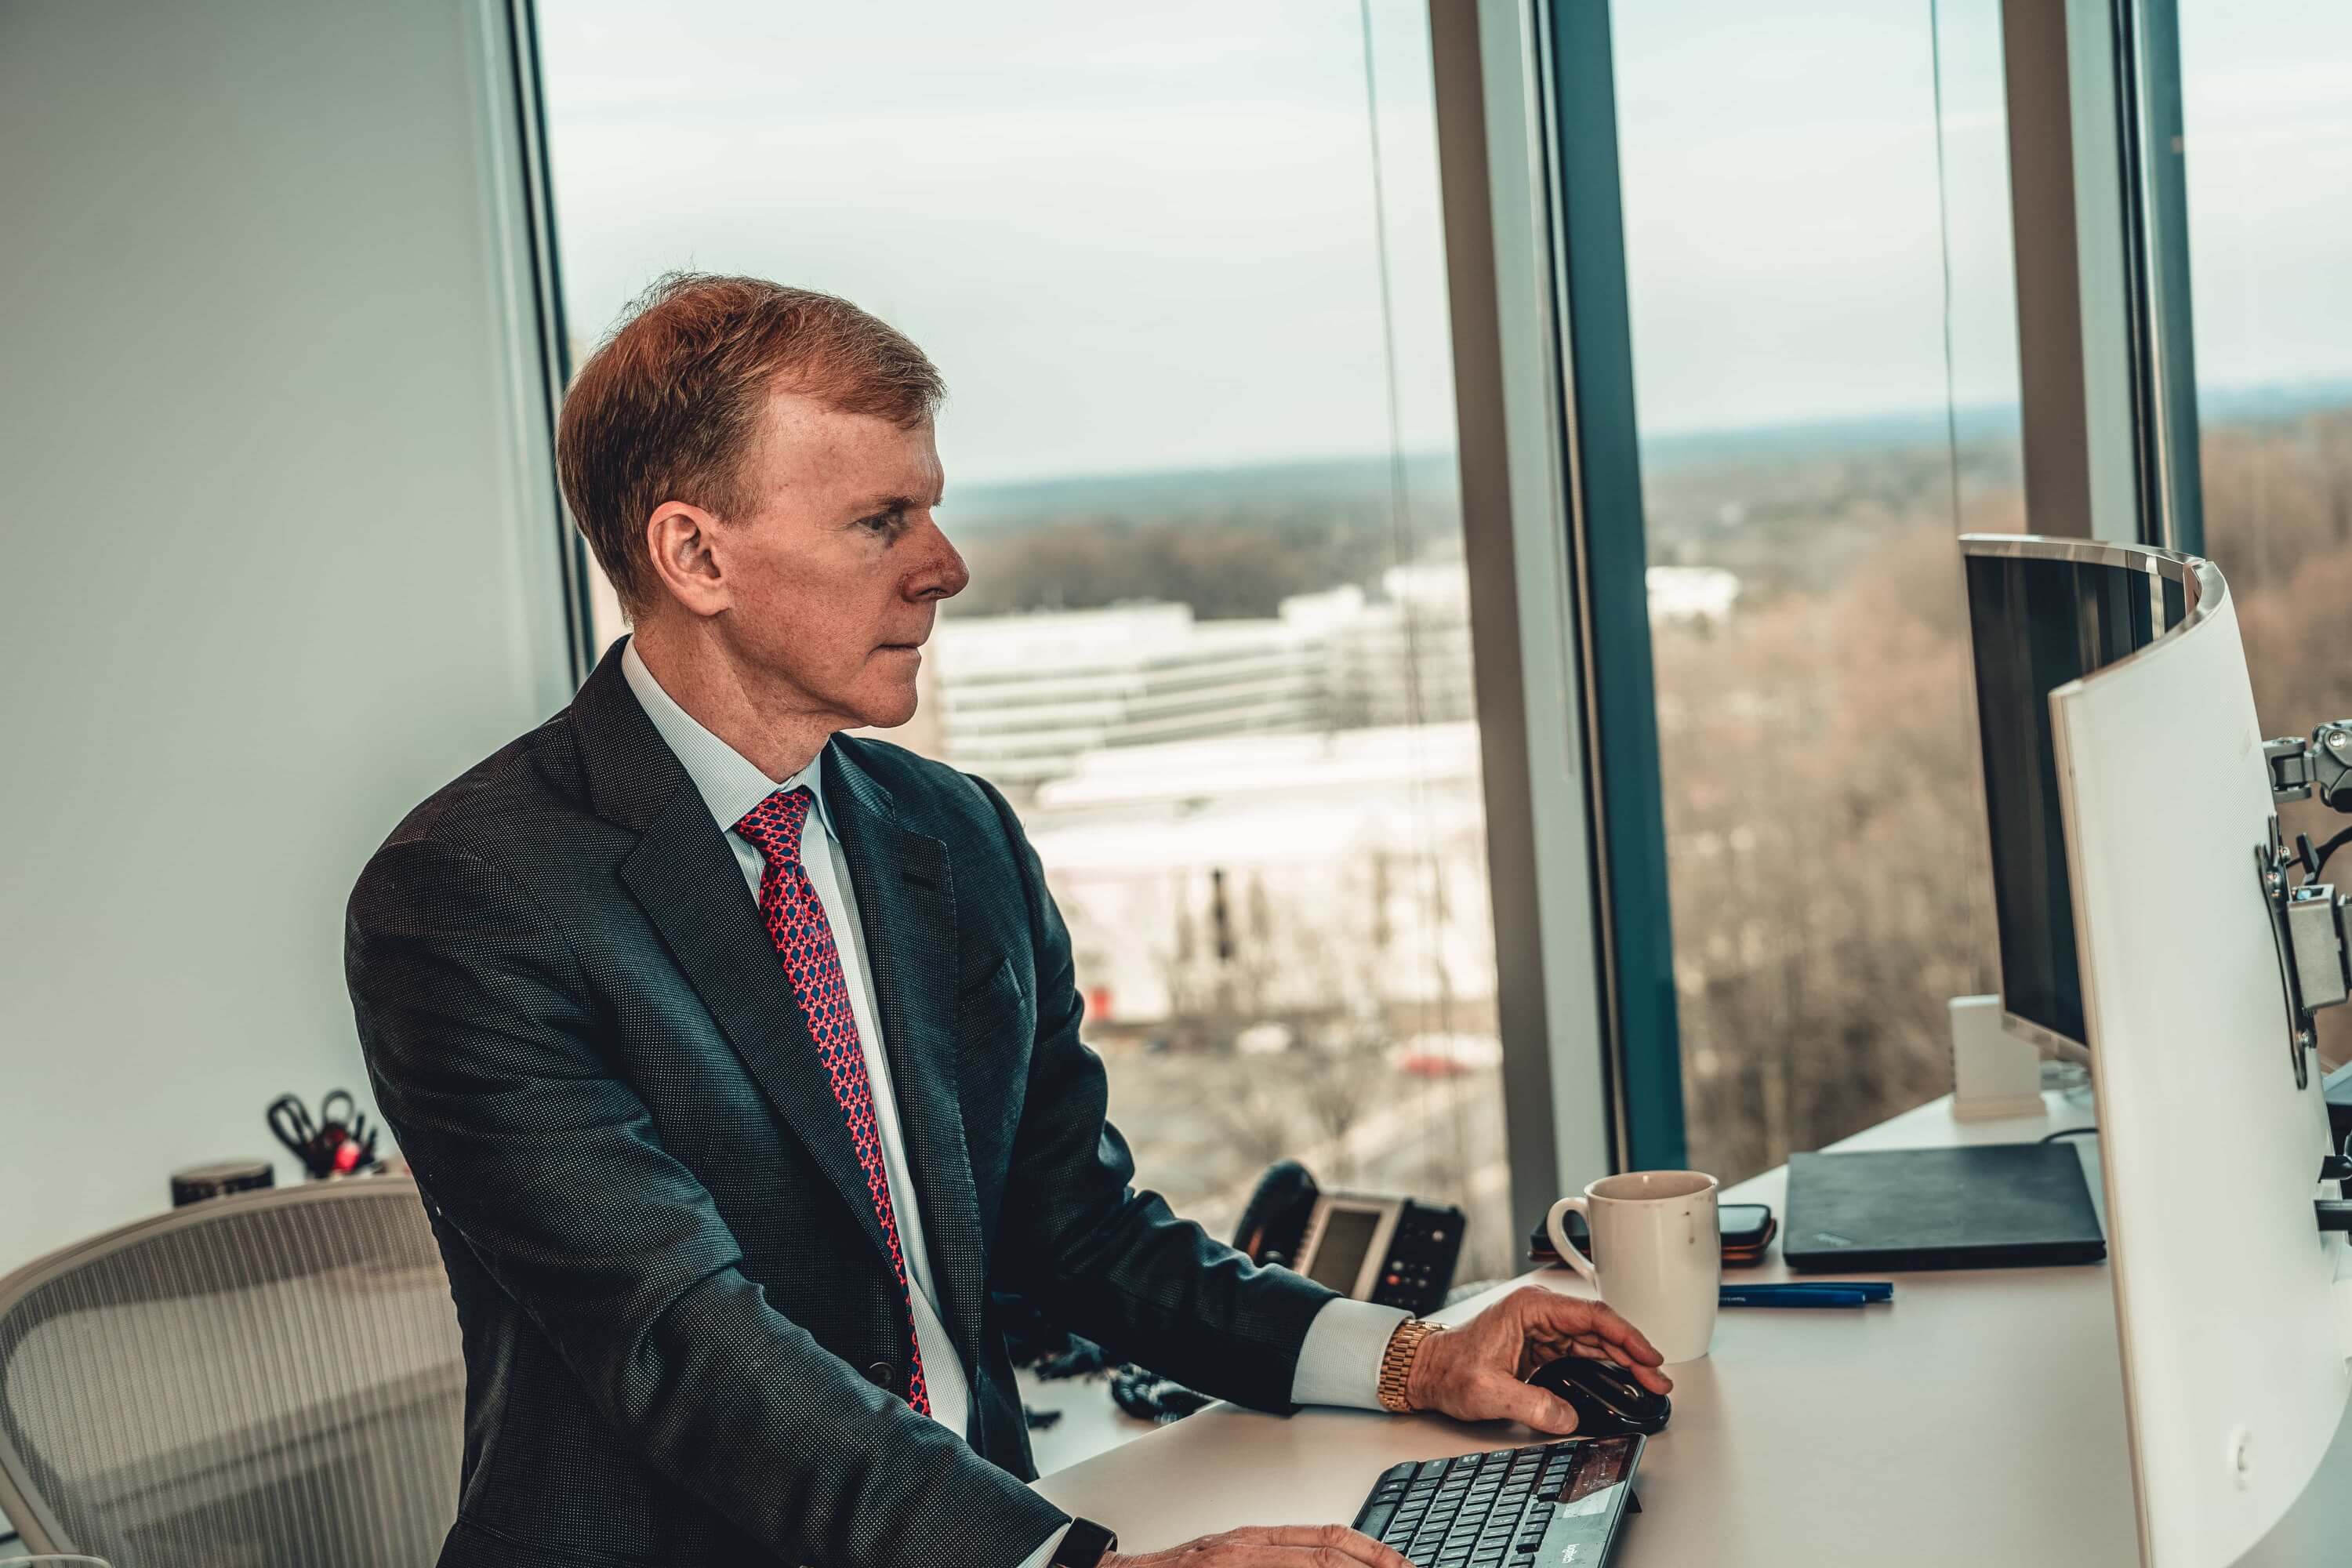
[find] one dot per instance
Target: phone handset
(1274, 1222)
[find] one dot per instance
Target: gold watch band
(1396, 1365)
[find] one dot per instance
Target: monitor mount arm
(2320, 766)
(2307, 918)
(2312, 937)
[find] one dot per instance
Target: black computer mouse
(1608, 1402)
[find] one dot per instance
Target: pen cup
(1664, 1249)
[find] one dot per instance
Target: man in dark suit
(737, 1059)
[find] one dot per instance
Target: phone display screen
(1347, 1237)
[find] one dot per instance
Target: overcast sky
(1144, 237)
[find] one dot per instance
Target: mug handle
(1569, 1254)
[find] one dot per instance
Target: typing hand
(1268, 1546)
(1478, 1371)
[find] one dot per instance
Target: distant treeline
(1229, 543)
(1788, 511)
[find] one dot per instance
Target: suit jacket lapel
(686, 879)
(906, 908)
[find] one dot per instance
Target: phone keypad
(1422, 1255)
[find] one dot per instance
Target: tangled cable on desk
(1041, 1346)
(1147, 1396)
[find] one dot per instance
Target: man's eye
(882, 521)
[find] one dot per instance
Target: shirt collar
(730, 783)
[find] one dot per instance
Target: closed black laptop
(1996, 1206)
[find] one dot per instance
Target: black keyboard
(1506, 1508)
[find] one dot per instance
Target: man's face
(835, 567)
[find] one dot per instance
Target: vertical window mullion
(1609, 553)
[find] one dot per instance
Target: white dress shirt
(1338, 1364)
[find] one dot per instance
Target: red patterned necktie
(804, 940)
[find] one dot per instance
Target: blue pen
(1790, 1298)
(1872, 1289)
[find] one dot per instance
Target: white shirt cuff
(1339, 1363)
(1045, 1555)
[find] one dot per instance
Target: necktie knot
(773, 827)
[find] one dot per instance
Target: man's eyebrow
(901, 503)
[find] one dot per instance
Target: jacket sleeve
(480, 1036)
(1104, 1259)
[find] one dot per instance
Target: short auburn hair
(667, 406)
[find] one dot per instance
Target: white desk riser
(1978, 1419)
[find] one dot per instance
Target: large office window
(2267, 114)
(1181, 267)
(1817, 231)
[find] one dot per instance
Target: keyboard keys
(1486, 1510)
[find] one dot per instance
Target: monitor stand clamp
(2307, 918)
(2321, 765)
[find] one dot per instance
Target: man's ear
(681, 539)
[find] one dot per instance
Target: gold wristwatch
(1396, 1366)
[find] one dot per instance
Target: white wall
(280, 553)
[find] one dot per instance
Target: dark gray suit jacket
(679, 1319)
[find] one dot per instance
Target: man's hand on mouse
(1478, 1371)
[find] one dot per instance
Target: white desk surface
(1978, 1419)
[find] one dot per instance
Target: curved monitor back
(2233, 1347)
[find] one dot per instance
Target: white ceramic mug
(1661, 1254)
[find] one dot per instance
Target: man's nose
(943, 574)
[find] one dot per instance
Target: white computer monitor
(2231, 1322)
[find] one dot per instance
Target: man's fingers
(1528, 1405)
(1572, 1316)
(1579, 1316)
(1331, 1543)
(1649, 1377)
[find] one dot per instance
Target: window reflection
(1826, 376)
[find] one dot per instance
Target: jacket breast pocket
(996, 1020)
(996, 1012)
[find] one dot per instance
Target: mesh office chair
(267, 1378)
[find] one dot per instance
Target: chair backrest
(272, 1377)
